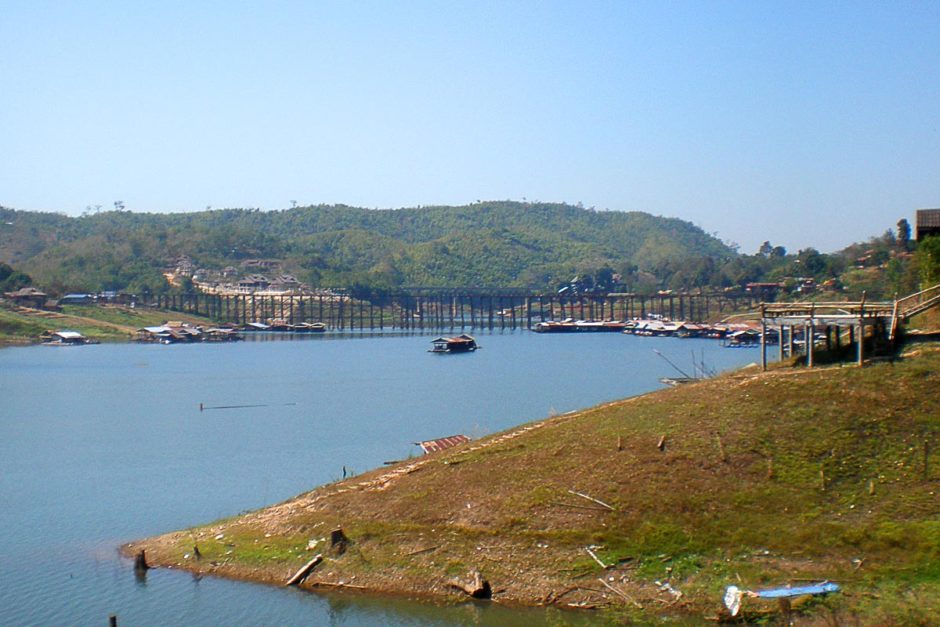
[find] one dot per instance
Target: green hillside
(487, 244)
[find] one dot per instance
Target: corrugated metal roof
(433, 446)
(928, 217)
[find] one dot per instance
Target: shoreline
(697, 490)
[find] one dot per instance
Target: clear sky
(805, 123)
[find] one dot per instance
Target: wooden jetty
(879, 320)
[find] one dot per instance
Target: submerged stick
(204, 408)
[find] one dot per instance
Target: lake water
(100, 445)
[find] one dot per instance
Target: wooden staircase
(909, 306)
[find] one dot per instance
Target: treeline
(485, 244)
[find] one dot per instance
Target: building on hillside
(928, 223)
(77, 299)
(765, 290)
(261, 264)
(252, 283)
(28, 297)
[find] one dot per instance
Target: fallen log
(301, 574)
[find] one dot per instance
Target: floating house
(175, 333)
(65, 337)
(461, 344)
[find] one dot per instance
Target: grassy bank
(20, 325)
(748, 479)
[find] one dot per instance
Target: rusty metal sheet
(433, 446)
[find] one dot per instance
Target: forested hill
(484, 244)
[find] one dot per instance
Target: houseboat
(65, 338)
(461, 344)
(570, 325)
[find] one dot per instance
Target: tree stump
(338, 541)
(140, 562)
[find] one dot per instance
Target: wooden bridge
(880, 319)
(452, 308)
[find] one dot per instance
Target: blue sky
(805, 123)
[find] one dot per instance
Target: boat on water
(463, 343)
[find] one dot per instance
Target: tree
(765, 249)
(928, 261)
(11, 280)
(904, 234)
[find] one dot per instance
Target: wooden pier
(876, 321)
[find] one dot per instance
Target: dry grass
(764, 479)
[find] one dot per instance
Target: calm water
(103, 444)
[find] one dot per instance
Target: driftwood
(590, 498)
(620, 594)
(301, 574)
(478, 588)
(560, 504)
(596, 558)
(140, 562)
(326, 584)
(424, 550)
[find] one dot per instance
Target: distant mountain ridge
(486, 244)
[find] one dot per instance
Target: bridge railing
(920, 302)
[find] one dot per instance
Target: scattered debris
(621, 594)
(734, 595)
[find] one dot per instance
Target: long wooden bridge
(874, 322)
(440, 309)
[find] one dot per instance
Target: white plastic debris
(733, 599)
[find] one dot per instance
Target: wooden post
(926, 459)
(861, 332)
(112, 620)
(810, 342)
(763, 339)
(861, 342)
(780, 331)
